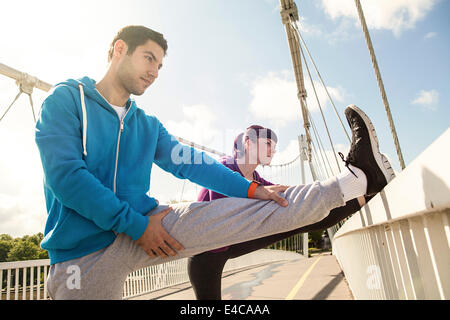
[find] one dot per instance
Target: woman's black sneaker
(364, 153)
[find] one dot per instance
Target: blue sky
(228, 66)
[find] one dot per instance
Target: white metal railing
(398, 245)
(27, 280)
(161, 276)
(403, 259)
(155, 278)
(24, 280)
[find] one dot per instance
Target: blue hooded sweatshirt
(97, 169)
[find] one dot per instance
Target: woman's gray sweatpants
(199, 227)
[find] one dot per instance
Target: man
(97, 149)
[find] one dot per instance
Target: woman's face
(260, 151)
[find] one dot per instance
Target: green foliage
(314, 238)
(5, 247)
(24, 248)
(6, 237)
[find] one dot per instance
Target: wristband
(251, 189)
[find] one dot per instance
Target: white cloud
(23, 213)
(274, 97)
(288, 154)
(307, 28)
(166, 188)
(198, 125)
(397, 16)
(343, 31)
(428, 99)
(22, 204)
(430, 35)
(287, 174)
(328, 159)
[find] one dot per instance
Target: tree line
(21, 248)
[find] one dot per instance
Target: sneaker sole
(381, 159)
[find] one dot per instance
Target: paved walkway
(316, 278)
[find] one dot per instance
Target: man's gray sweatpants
(199, 227)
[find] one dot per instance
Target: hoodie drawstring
(83, 109)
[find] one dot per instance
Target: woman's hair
(252, 133)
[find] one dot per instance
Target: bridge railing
(24, 280)
(27, 280)
(398, 245)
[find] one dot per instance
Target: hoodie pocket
(70, 231)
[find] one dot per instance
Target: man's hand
(271, 193)
(155, 240)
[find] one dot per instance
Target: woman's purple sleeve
(209, 195)
(263, 181)
(203, 195)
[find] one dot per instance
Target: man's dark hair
(135, 36)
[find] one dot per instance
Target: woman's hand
(271, 193)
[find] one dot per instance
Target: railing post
(16, 284)
(24, 283)
(45, 282)
(38, 283)
(1, 284)
(31, 282)
(305, 245)
(303, 158)
(8, 284)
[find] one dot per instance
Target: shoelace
(346, 163)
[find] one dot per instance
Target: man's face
(136, 72)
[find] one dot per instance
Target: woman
(255, 146)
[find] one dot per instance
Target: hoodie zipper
(118, 146)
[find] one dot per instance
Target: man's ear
(120, 48)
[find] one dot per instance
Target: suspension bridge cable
(182, 190)
(321, 80)
(289, 8)
(32, 107)
(320, 161)
(323, 116)
(318, 102)
(15, 99)
(320, 145)
(316, 163)
(282, 164)
(380, 83)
